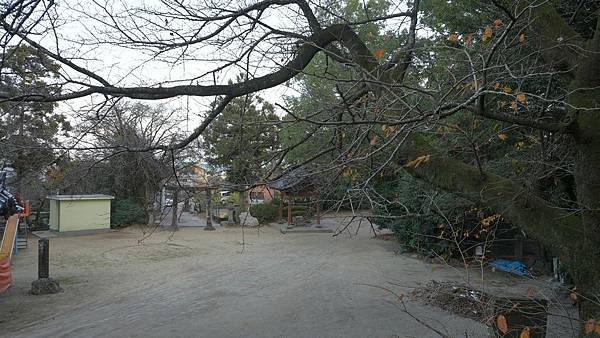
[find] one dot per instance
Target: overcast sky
(81, 32)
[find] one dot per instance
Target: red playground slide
(6, 249)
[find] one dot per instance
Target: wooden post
(281, 196)
(174, 209)
(289, 218)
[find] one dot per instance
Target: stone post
(44, 284)
(209, 225)
(43, 258)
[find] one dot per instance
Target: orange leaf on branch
(487, 34)
(388, 130)
(573, 294)
(379, 53)
(418, 161)
(501, 324)
(469, 39)
(525, 333)
(590, 325)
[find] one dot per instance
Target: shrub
(417, 233)
(299, 208)
(415, 216)
(124, 212)
(264, 212)
(275, 200)
(303, 210)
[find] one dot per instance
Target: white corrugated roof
(80, 197)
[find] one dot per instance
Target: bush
(299, 208)
(275, 200)
(234, 198)
(417, 233)
(414, 217)
(264, 212)
(305, 210)
(124, 212)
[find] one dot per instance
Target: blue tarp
(516, 267)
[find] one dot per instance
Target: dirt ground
(195, 283)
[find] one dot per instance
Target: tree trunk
(576, 240)
(186, 204)
(586, 271)
(174, 208)
(573, 239)
(209, 225)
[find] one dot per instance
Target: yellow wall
(53, 215)
(83, 214)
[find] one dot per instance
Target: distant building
(261, 194)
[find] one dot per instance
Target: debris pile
(459, 299)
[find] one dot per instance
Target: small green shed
(79, 212)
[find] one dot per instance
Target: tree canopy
(29, 130)
(242, 139)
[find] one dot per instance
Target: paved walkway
(191, 219)
(185, 219)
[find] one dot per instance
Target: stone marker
(44, 284)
